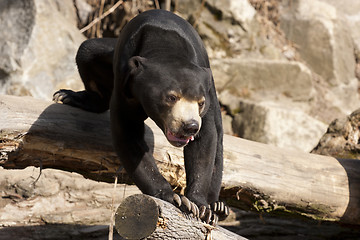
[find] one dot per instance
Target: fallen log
(141, 216)
(266, 178)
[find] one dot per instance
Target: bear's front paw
(208, 216)
(220, 209)
(63, 96)
(186, 205)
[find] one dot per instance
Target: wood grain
(256, 176)
(140, 216)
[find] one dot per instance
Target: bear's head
(174, 94)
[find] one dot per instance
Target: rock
(269, 100)
(239, 11)
(38, 47)
(268, 79)
(83, 11)
(342, 138)
(279, 125)
(186, 8)
(227, 123)
(18, 16)
(345, 96)
(351, 10)
(230, 28)
(323, 38)
(324, 42)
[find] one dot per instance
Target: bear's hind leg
(86, 100)
(94, 60)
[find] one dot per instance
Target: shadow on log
(140, 216)
(257, 176)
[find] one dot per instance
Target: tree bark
(257, 176)
(141, 216)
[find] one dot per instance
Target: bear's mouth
(178, 140)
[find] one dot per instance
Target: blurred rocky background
(284, 70)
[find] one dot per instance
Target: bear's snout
(190, 128)
(184, 134)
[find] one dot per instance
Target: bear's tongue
(179, 139)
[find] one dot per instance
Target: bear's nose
(191, 127)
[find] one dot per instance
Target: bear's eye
(201, 103)
(171, 98)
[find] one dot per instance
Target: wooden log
(256, 176)
(141, 216)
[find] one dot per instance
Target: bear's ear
(136, 63)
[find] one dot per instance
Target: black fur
(156, 52)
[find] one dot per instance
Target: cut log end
(141, 216)
(136, 217)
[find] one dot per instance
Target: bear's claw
(208, 216)
(220, 209)
(60, 96)
(186, 205)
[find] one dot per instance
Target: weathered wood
(28, 198)
(140, 216)
(256, 175)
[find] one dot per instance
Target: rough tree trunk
(258, 176)
(141, 216)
